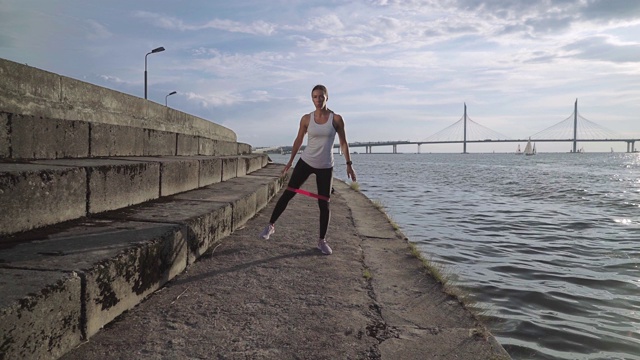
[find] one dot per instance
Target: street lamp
(156, 50)
(169, 94)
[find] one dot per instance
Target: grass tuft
(355, 186)
(366, 274)
(378, 205)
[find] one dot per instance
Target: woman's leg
(324, 178)
(300, 174)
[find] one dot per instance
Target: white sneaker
(324, 247)
(268, 231)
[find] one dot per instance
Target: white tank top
(319, 151)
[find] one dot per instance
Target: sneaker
(324, 247)
(268, 231)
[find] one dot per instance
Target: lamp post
(156, 50)
(169, 94)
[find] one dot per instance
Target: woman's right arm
(297, 143)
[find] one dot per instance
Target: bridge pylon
(575, 126)
(464, 143)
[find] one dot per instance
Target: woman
(322, 125)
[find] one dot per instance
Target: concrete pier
(129, 230)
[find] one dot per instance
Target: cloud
(608, 10)
(97, 31)
(394, 87)
(526, 18)
(214, 99)
(264, 67)
(328, 24)
(604, 48)
(167, 22)
(116, 80)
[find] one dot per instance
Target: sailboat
(518, 152)
(529, 149)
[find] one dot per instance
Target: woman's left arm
(344, 145)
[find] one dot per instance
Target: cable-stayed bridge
(574, 129)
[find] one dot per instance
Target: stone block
(272, 172)
(226, 148)
(5, 138)
(242, 167)
(229, 168)
(177, 174)
(98, 104)
(24, 89)
(244, 149)
(34, 195)
(159, 143)
(252, 162)
(241, 193)
(187, 145)
(41, 138)
(116, 140)
(206, 146)
(115, 183)
(120, 283)
(121, 262)
(206, 222)
(40, 313)
(264, 193)
(210, 170)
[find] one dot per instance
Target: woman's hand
(351, 174)
(286, 168)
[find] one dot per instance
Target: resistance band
(310, 194)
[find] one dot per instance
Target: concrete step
(60, 284)
(39, 193)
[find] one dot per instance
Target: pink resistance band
(304, 192)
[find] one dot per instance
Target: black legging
(301, 173)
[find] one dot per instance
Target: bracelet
(349, 162)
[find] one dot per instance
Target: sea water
(547, 246)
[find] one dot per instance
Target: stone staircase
(105, 197)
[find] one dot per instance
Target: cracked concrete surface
(282, 299)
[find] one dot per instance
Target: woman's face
(319, 99)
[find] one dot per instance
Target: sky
(395, 69)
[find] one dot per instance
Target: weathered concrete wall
(178, 175)
(187, 145)
(229, 168)
(44, 324)
(45, 192)
(116, 140)
(59, 287)
(33, 137)
(244, 149)
(120, 283)
(252, 163)
(25, 90)
(72, 282)
(159, 143)
(210, 171)
(225, 148)
(37, 195)
(114, 184)
(4, 135)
